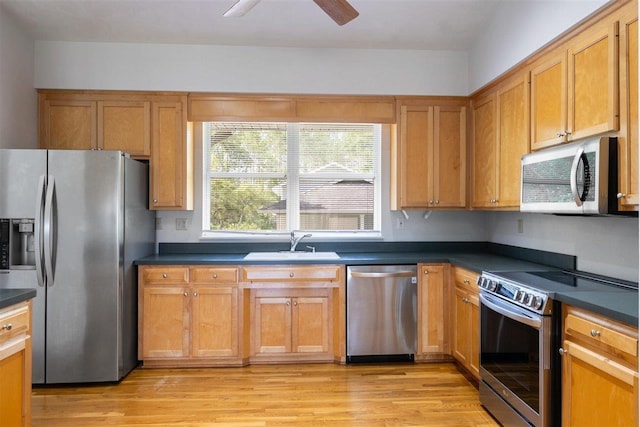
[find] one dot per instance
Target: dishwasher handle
(385, 275)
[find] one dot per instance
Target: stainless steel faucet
(295, 240)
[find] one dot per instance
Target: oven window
(509, 350)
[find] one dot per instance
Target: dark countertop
(14, 296)
(618, 305)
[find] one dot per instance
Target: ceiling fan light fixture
(240, 8)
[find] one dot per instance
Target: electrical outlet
(158, 223)
(520, 226)
(400, 223)
(181, 224)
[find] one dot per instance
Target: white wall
(130, 66)
(518, 29)
(18, 101)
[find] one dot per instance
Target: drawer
(166, 275)
(214, 275)
(466, 278)
(14, 322)
(604, 332)
(320, 273)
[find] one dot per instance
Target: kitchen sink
(286, 255)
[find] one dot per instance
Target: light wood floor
(299, 395)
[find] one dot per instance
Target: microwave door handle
(574, 177)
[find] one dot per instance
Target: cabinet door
(448, 157)
(513, 139)
(168, 156)
(311, 325)
(549, 102)
(68, 124)
(125, 125)
(628, 137)
(214, 327)
(593, 83)
(15, 393)
(484, 152)
(597, 391)
(272, 325)
(461, 339)
(474, 334)
(165, 321)
(431, 310)
(416, 142)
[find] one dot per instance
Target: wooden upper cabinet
(428, 156)
(171, 156)
(628, 136)
(67, 124)
(484, 149)
(574, 91)
(125, 125)
(513, 139)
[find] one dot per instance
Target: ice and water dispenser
(17, 245)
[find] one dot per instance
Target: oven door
(515, 346)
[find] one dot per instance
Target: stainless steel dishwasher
(381, 313)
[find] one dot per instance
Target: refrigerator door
(20, 173)
(86, 235)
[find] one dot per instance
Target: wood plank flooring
(428, 394)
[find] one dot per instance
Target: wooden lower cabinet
(599, 371)
(433, 312)
(466, 321)
(15, 365)
(291, 324)
(189, 316)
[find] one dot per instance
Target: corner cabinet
(15, 365)
(433, 312)
(500, 139)
(574, 90)
(428, 155)
(599, 370)
(189, 316)
(296, 313)
(466, 321)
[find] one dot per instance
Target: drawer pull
(164, 275)
(186, 294)
(291, 274)
(595, 333)
(7, 327)
(215, 275)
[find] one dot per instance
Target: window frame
(293, 211)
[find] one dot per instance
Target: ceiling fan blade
(339, 10)
(240, 8)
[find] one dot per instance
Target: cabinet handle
(561, 135)
(288, 303)
(164, 275)
(621, 196)
(465, 281)
(437, 202)
(426, 271)
(7, 327)
(186, 294)
(430, 202)
(595, 333)
(562, 351)
(215, 275)
(195, 294)
(566, 132)
(295, 303)
(291, 274)
(155, 201)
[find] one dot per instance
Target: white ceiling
(382, 24)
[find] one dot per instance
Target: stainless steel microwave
(576, 178)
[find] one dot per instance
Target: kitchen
(130, 66)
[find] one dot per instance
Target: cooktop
(564, 280)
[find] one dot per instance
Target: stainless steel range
(520, 332)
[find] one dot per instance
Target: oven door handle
(511, 311)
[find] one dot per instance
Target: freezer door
(86, 235)
(20, 171)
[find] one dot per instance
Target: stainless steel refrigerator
(71, 224)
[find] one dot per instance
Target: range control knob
(522, 297)
(517, 295)
(537, 303)
(528, 300)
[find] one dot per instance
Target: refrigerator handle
(48, 233)
(38, 237)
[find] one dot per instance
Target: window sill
(316, 236)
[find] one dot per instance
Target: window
(279, 177)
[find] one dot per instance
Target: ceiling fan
(339, 10)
